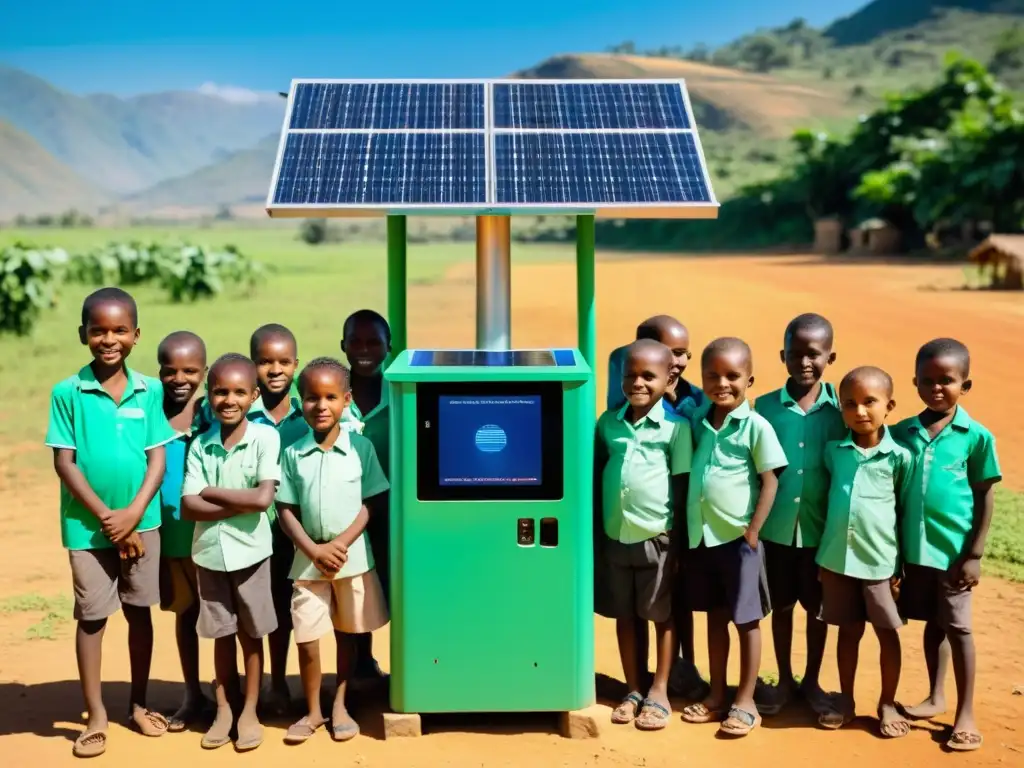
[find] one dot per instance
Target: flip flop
(893, 729)
(628, 709)
(834, 717)
(301, 731)
(193, 713)
(653, 716)
(148, 723)
(739, 722)
(90, 744)
(249, 738)
(345, 730)
(700, 713)
(965, 741)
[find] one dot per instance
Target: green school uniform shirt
(243, 540)
(291, 428)
(175, 532)
(865, 489)
(724, 483)
(329, 487)
(110, 441)
(636, 480)
(938, 517)
(376, 427)
(798, 514)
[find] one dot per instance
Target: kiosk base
(578, 724)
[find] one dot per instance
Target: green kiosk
(492, 447)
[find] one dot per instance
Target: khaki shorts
(103, 582)
(179, 589)
(233, 601)
(353, 605)
(927, 595)
(848, 600)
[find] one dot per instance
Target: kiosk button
(549, 532)
(525, 535)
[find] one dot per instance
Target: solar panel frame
(696, 210)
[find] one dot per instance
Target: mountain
(33, 182)
(882, 16)
(126, 145)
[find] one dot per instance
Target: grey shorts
(103, 582)
(730, 575)
(233, 601)
(927, 595)
(633, 580)
(792, 576)
(849, 600)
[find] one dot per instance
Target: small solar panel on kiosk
(478, 358)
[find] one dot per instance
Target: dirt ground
(882, 313)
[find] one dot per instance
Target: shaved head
(660, 326)
(181, 340)
(809, 324)
(650, 351)
(868, 374)
(728, 345)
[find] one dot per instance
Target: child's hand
(752, 537)
(328, 559)
(120, 524)
(968, 574)
(132, 547)
(894, 586)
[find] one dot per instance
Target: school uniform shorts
(927, 594)
(179, 588)
(280, 581)
(792, 577)
(730, 575)
(849, 600)
(103, 582)
(633, 580)
(353, 605)
(236, 601)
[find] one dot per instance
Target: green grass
(1004, 555)
(57, 612)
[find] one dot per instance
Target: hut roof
(1010, 247)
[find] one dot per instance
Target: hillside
(883, 16)
(125, 145)
(33, 182)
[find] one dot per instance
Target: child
(945, 524)
(107, 431)
(182, 360)
(680, 400)
(231, 474)
(274, 351)
(366, 343)
(735, 467)
(331, 486)
(805, 416)
(642, 463)
(858, 552)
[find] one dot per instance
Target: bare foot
(891, 723)
(926, 710)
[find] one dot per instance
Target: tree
(764, 53)
(627, 47)
(699, 52)
(1009, 51)
(313, 231)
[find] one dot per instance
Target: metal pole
(493, 282)
(397, 283)
(586, 330)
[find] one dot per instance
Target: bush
(28, 281)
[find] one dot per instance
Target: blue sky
(138, 46)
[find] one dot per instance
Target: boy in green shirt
(736, 463)
(107, 431)
(274, 351)
(641, 466)
(331, 486)
(805, 416)
(945, 524)
(231, 475)
(859, 550)
(182, 360)
(366, 344)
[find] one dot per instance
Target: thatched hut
(1002, 257)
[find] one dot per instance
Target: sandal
(893, 728)
(740, 722)
(701, 713)
(834, 716)
(345, 730)
(301, 731)
(653, 716)
(190, 714)
(249, 738)
(770, 699)
(964, 741)
(628, 709)
(147, 722)
(90, 744)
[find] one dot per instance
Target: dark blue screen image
(489, 440)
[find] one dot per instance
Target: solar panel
(532, 358)
(388, 106)
(595, 168)
(356, 169)
(589, 106)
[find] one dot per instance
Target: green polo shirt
(938, 517)
(865, 489)
(175, 532)
(243, 540)
(376, 427)
(291, 428)
(636, 480)
(724, 484)
(110, 441)
(798, 514)
(329, 488)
